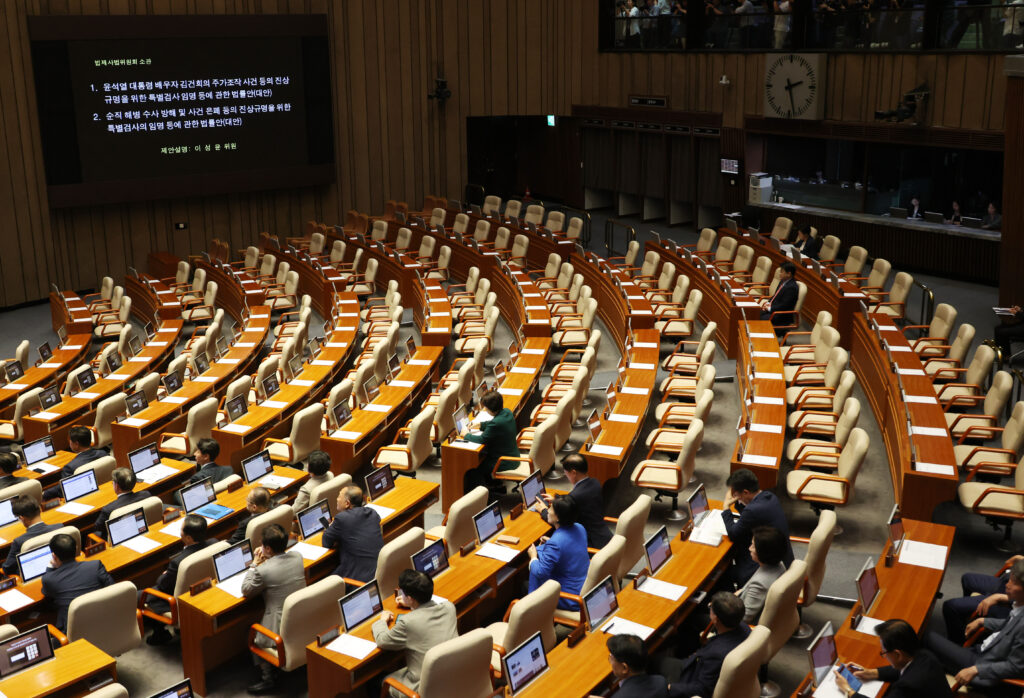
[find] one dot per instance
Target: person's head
(575, 467)
(915, 202)
(8, 463)
(956, 206)
(350, 497)
(258, 500)
(193, 529)
(767, 546)
(416, 587)
(64, 548)
(492, 401)
(124, 479)
(992, 210)
(1015, 584)
(727, 610)
(275, 540)
(788, 270)
(626, 655)
(207, 451)
(319, 463)
(25, 508)
(743, 484)
(562, 513)
(803, 232)
(79, 439)
(899, 641)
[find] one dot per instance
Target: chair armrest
(57, 635)
(170, 435)
(976, 506)
(972, 386)
(818, 444)
(257, 629)
(611, 519)
(823, 454)
(514, 459)
(269, 440)
(827, 478)
(826, 428)
(398, 686)
(96, 539)
(171, 600)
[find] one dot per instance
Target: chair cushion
(962, 451)
(1011, 504)
(175, 444)
(520, 472)
(392, 457)
(794, 446)
(568, 616)
(436, 532)
(660, 410)
(469, 344)
(677, 382)
(965, 423)
(569, 337)
(951, 392)
(789, 373)
(279, 451)
(822, 402)
(683, 328)
(670, 440)
(818, 488)
(662, 477)
(673, 360)
(7, 430)
(932, 368)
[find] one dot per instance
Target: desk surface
(72, 663)
(762, 385)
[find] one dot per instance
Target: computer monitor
(197, 494)
(126, 526)
(658, 550)
(933, 217)
(86, 379)
(499, 373)
(394, 363)
(513, 352)
(134, 345)
(78, 486)
(822, 654)
(201, 363)
(14, 370)
(256, 466)
(410, 347)
(970, 222)
(295, 365)
(113, 362)
(371, 389)
(25, 650)
(45, 352)
(172, 382)
(33, 563)
(62, 334)
(143, 458)
(432, 560)
(49, 397)
(482, 390)
(896, 532)
(525, 663)
(222, 345)
(897, 212)
(380, 482)
(312, 518)
(137, 402)
(38, 450)
(7, 516)
(148, 330)
(461, 419)
(182, 689)
(488, 521)
(236, 559)
(236, 407)
(698, 503)
(867, 586)
(594, 424)
(600, 602)
(271, 386)
(532, 487)
(360, 605)
(342, 413)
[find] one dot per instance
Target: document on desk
(711, 529)
(233, 585)
(141, 544)
(621, 626)
(50, 365)
(605, 450)
(352, 646)
(273, 404)
(914, 552)
(383, 512)
(44, 468)
(922, 399)
(205, 379)
(929, 431)
(765, 354)
(372, 407)
(497, 552)
(934, 468)
(342, 434)
(910, 371)
(173, 528)
(275, 482)
(134, 422)
(75, 508)
(666, 590)
(236, 428)
(156, 473)
(402, 384)
(867, 625)
(12, 600)
(627, 418)
(829, 689)
(767, 428)
(309, 551)
(754, 459)
(762, 400)
(173, 400)
(627, 390)
(418, 362)
(46, 416)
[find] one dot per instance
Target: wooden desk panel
(235, 290)
(762, 385)
(65, 358)
(68, 673)
(152, 298)
(69, 311)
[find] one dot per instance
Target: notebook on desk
(198, 498)
(35, 452)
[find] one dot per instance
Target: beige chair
(970, 379)
(102, 467)
(687, 390)
(437, 217)
(180, 277)
(520, 247)
(994, 460)
(44, 538)
(756, 281)
(541, 455)
(100, 300)
(303, 439)
(685, 376)
(573, 330)
(894, 301)
(606, 562)
(305, 614)
(410, 456)
(458, 527)
(646, 276)
(338, 395)
(667, 477)
(818, 391)
(329, 491)
(797, 352)
(513, 209)
(457, 667)
(670, 304)
(675, 326)
(739, 675)
(364, 284)
(11, 429)
(32, 488)
(781, 614)
(630, 525)
(801, 368)
(379, 232)
(675, 418)
(680, 357)
(971, 426)
(152, 507)
(555, 221)
(461, 224)
(1000, 505)
(825, 491)
(955, 353)
(817, 555)
(823, 402)
(285, 296)
(111, 690)
(936, 332)
(475, 333)
(829, 249)
(628, 261)
(394, 557)
(111, 323)
(281, 515)
(534, 214)
(193, 568)
(531, 614)
(108, 618)
(876, 279)
(575, 228)
(825, 431)
(856, 258)
(492, 205)
(742, 263)
(7, 631)
(202, 310)
(199, 424)
(705, 243)
(782, 228)
(195, 289)
(149, 384)
(724, 254)
(440, 270)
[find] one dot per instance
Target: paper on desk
(892, 348)
(621, 626)
(520, 369)
(141, 544)
(752, 459)
(75, 508)
(300, 382)
(309, 551)
(384, 512)
(321, 362)
(532, 351)
(769, 428)
(205, 379)
(134, 422)
(85, 396)
(342, 434)
(748, 304)
(468, 445)
(497, 552)
(628, 390)
(173, 400)
(928, 431)
(418, 362)
(275, 482)
(70, 347)
(641, 367)
(12, 600)
(50, 365)
(867, 625)
(628, 418)
(666, 590)
(402, 384)
(914, 552)
(352, 646)
(761, 400)
(910, 371)
(923, 399)
(767, 376)
(156, 473)
(605, 450)
(44, 468)
(762, 335)
(165, 330)
(934, 468)
(829, 689)
(173, 528)
(273, 404)
(377, 408)
(245, 345)
(158, 344)
(46, 415)
(510, 391)
(233, 585)
(336, 345)
(765, 354)
(645, 345)
(236, 428)
(139, 359)
(229, 361)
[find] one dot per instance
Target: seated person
(756, 507)
(1000, 655)
(498, 435)
(356, 534)
(984, 593)
(992, 220)
(785, 297)
(914, 210)
(955, 217)
(563, 557)
(193, 539)
(26, 508)
(767, 549)
(427, 623)
(915, 673)
(80, 443)
(9, 465)
(697, 674)
(319, 473)
(808, 246)
(70, 578)
(123, 480)
(257, 502)
(629, 661)
(206, 454)
(586, 495)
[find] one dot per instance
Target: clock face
(792, 87)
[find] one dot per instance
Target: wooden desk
(236, 290)
(69, 673)
(69, 311)
(410, 500)
(65, 358)
(151, 298)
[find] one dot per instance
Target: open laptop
(201, 364)
(137, 402)
(49, 397)
(432, 560)
(62, 335)
(182, 689)
(824, 658)
(461, 419)
(970, 222)
(371, 388)
(342, 414)
(699, 507)
(525, 663)
(113, 362)
(45, 352)
(230, 566)
(33, 563)
(380, 482)
(149, 331)
(314, 519)
(896, 532)
(77, 486)
(295, 365)
(172, 382)
(7, 516)
(271, 386)
(499, 373)
(658, 550)
(488, 521)
(134, 345)
(14, 370)
(199, 498)
(933, 217)
(126, 527)
(897, 212)
(360, 605)
(259, 469)
(145, 463)
(394, 363)
(35, 452)
(601, 604)
(867, 586)
(25, 650)
(236, 407)
(410, 347)
(532, 488)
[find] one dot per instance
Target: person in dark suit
(9, 466)
(809, 246)
(629, 663)
(914, 211)
(784, 299)
(697, 674)
(27, 510)
(256, 503)
(984, 594)
(80, 443)
(498, 435)
(69, 578)
(586, 495)
(123, 480)
(756, 507)
(206, 454)
(355, 533)
(915, 673)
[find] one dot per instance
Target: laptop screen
(233, 560)
(137, 402)
(410, 347)
(45, 353)
(822, 654)
(197, 495)
(371, 389)
(896, 532)
(135, 345)
(525, 663)
(380, 481)
(142, 458)
(127, 526)
(432, 560)
(49, 397)
(172, 382)
(14, 370)
(86, 379)
(658, 550)
(342, 413)
(236, 407)
(295, 365)
(310, 518)
(7, 516)
(600, 602)
(178, 690)
(79, 485)
(867, 586)
(201, 363)
(113, 361)
(33, 563)
(594, 424)
(38, 450)
(532, 487)
(25, 650)
(62, 334)
(499, 372)
(461, 420)
(255, 467)
(698, 502)
(360, 605)
(271, 386)
(488, 522)
(394, 363)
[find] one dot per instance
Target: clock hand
(798, 82)
(792, 103)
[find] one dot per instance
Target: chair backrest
(879, 275)
(337, 252)
(817, 554)
(744, 258)
(520, 246)
(650, 265)
(501, 238)
(465, 380)
(981, 365)
(461, 223)
(693, 302)
(762, 270)
(107, 412)
(706, 378)
(305, 434)
(419, 444)
(26, 402)
(667, 276)
(513, 208)
(563, 409)
(403, 238)
(153, 508)
(458, 667)
(32, 488)
(149, 384)
(848, 419)
(459, 528)
(829, 249)
(631, 527)
(181, 275)
(379, 231)
(1013, 430)
(305, 614)
(962, 342)
(492, 205)
(555, 221)
(437, 217)
(828, 339)
(852, 456)
(739, 675)
(7, 631)
(542, 449)
(394, 557)
(201, 420)
(210, 297)
(266, 266)
(606, 561)
(998, 395)
(726, 249)
(781, 615)
(901, 285)
(534, 214)
(686, 461)
(268, 367)
(316, 243)
(197, 566)
(44, 538)
(855, 260)
(706, 241)
(339, 394)
(838, 360)
(444, 415)
(329, 491)
(482, 230)
(780, 231)
(281, 515)
(533, 613)
(239, 386)
(565, 272)
(107, 618)
(103, 467)
(427, 246)
(575, 228)
(943, 320)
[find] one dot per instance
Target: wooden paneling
(500, 57)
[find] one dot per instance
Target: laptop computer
(236, 407)
(295, 366)
(25, 650)
(45, 353)
(896, 532)
(371, 389)
(394, 363)
(698, 504)
(897, 212)
(314, 519)
(410, 347)
(126, 527)
(380, 482)
(62, 335)
(462, 421)
(182, 689)
(200, 364)
(259, 469)
(970, 222)
(360, 606)
(77, 486)
(137, 402)
(432, 560)
(49, 397)
(172, 382)
(37, 451)
(600, 603)
(525, 663)
(230, 566)
(867, 586)
(342, 414)
(271, 386)
(7, 516)
(33, 563)
(824, 658)
(113, 362)
(933, 217)
(487, 522)
(145, 463)
(499, 373)
(198, 498)
(532, 488)
(658, 550)
(134, 345)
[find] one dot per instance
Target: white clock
(794, 86)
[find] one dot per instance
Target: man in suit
(984, 594)
(914, 210)
(915, 673)
(206, 454)
(275, 573)
(193, 539)
(697, 674)
(256, 503)
(69, 578)
(784, 299)
(586, 495)
(123, 480)
(427, 624)
(80, 443)
(629, 662)
(9, 465)
(355, 533)
(756, 507)
(27, 510)
(809, 246)
(498, 435)
(1000, 655)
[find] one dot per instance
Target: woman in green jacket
(498, 435)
